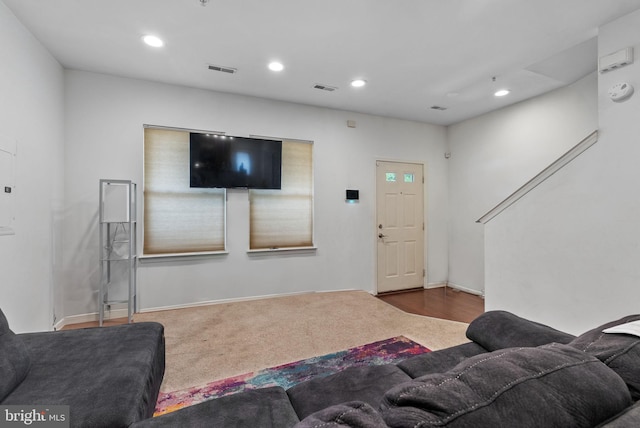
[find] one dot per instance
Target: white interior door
(400, 225)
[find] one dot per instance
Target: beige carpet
(208, 343)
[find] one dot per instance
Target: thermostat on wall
(620, 91)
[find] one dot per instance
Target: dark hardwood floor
(443, 302)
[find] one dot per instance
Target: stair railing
(563, 160)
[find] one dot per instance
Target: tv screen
(230, 162)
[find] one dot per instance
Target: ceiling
(414, 54)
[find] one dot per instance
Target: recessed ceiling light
(358, 83)
(276, 66)
(501, 93)
(154, 41)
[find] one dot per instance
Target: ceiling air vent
(324, 87)
(438, 108)
(229, 70)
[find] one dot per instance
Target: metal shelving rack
(118, 252)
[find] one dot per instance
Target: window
(284, 218)
(181, 220)
(177, 218)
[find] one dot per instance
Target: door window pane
(391, 176)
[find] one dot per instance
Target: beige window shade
(177, 218)
(284, 218)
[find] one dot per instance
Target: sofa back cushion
(549, 386)
(630, 417)
(621, 352)
(14, 360)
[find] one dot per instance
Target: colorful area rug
(387, 351)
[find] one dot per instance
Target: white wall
(104, 118)
(496, 153)
(31, 113)
(568, 253)
(92, 125)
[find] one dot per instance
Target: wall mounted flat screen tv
(234, 162)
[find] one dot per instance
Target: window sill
(263, 251)
(156, 258)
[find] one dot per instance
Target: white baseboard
(91, 317)
(435, 285)
(465, 289)
(121, 313)
(220, 301)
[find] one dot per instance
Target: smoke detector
(620, 92)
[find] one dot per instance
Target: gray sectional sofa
(109, 377)
(513, 373)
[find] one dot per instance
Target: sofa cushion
(14, 360)
(367, 384)
(621, 352)
(439, 361)
(264, 408)
(630, 417)
(495, 330)
(549, 386)
(354, 414)
(108, 376)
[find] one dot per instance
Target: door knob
(381, 235)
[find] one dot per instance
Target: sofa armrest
(267, 407)
(495, 330)
(109, 377)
